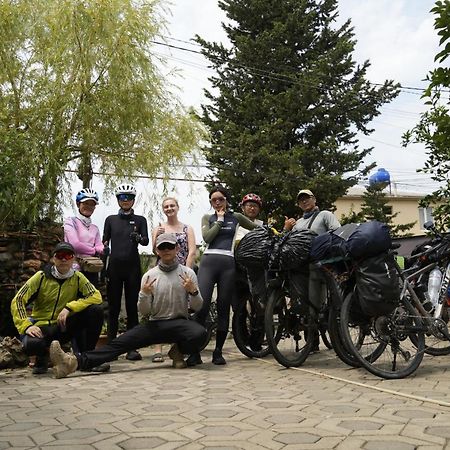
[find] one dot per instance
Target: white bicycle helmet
(86, 194)
(125, 189)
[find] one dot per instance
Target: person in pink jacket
(82, 233)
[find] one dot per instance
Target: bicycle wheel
(337, 342)
(210, 325)
(287, 328)
(384, 346)
(323, 326)
(334, 304)
(436, 337)
(248, 329)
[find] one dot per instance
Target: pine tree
(288, 102)
(375, 207)
(433, 129)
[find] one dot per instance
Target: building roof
(357, 191)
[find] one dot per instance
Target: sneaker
(63, 363)
(177, 357)
(133, 355)
(102, 368)
(40, 365)
(217, 358)
(194, 360)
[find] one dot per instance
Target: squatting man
(168, 291)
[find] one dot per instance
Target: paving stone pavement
(247, 404)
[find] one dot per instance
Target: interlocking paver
(247, 404)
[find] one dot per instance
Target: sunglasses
(218, 199)
(125, 197)
(64, 256)
(166, 246)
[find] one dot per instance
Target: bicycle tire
(337, 342)
(334, 304)
(438, 345)
(210, 325)
(325, 336)
(285, 331)
(385, 350)
(248, 330)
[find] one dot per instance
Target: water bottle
(434, 285)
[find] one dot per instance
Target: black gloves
(135, 237)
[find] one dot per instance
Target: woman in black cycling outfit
(218, 267)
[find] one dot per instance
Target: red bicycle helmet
(251, 198)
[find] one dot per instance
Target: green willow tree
(433, 130)
(288, 102)
(375, 206)
(80, 90)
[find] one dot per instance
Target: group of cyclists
(123, 232)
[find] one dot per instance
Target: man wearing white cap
(168, 290)
(319, 222)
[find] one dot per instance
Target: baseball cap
(166, 238)
(63, 247)
(304, 192)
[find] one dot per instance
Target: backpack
(377, 285)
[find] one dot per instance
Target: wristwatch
(193, 294)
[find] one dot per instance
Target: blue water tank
(380, 176)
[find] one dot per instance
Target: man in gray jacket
(167, 292)
(319, 222)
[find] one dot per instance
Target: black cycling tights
(220, 270)
(122, 277)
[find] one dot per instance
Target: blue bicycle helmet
(86, 194)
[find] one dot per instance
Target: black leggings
(85, 326)
(220, 270)
(122, 276)
(188, 334)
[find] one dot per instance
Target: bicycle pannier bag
(333, 243)
(377, 285)
(296, 248)
(254, 248)
(369, 239)
(90, 263)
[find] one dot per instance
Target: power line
(149, 177)
(280, 77)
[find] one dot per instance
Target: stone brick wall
(22, 254)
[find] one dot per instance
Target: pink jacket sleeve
(71, 235)
(98, 241)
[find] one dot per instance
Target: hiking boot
(217, 358)
(40, 365)
(133, 355)
(63, 363)
(102, 368)
(194, 360)
(177, 357)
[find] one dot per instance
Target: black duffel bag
(377, 285)
(295, 249)
(369, 239)
(254, 248)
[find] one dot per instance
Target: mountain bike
(291, 323)
(393, 345)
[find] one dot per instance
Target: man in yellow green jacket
(65, 305)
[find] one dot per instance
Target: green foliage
(375, 207)
(433, 129)
(290, 101)
(80, 89)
